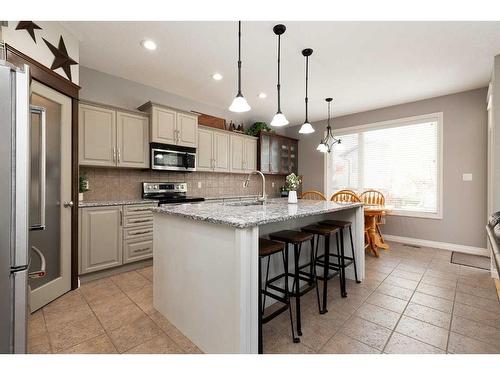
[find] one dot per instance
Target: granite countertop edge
(245, 222)
(126, 202)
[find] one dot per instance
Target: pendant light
(327, 143)
(306, 127)
(239, 103)
(279, 118)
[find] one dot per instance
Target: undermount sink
(239, 204)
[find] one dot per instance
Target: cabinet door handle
(119, 155)
(140, 232)
(121, 218)
(140, 221)
(140, 209)
(141, 250)
(114, 154)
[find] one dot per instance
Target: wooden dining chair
(313, 195)
(374, 198)
(345, 196)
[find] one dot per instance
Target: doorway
(50, 195)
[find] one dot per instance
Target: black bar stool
(295, 238)
(266, 249)
(345, 261)
(324, 260)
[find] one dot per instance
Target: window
(400, 158)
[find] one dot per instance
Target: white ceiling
(362, 65)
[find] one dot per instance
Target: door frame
(58, 83)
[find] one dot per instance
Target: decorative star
(61, 58)
(30, 27)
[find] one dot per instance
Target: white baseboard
(438, 245)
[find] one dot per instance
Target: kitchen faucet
(263, 197)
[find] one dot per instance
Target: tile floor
(412, 301)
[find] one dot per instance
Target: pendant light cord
(307, 79)
(279, 63)
(239, 58)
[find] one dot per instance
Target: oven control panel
(163, 187)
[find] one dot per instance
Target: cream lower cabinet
(115, 235)
(100, 238)
(213, 150)
(114, 138)
(243, 154)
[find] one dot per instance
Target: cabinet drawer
(137, 221)
(135, 232)
(134, 250)
(138, 209)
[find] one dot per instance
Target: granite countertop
(115, 203)
(241, 216)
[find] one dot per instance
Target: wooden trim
(75, 172)
(42, 74)
(53, 80)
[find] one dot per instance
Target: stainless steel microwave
(173, 158)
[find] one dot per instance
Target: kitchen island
(205, 264)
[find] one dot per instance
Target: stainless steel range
(168, 192)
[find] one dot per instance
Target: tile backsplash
(122, 184)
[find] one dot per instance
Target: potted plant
(292, 182)
(83, 186)
(256, 128)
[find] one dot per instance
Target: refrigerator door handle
(20, 311)
(43, 159)
(22, 165)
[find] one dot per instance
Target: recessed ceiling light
(217, 76)
(148, 44)
(262, 95)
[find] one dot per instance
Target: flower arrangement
(293, 182)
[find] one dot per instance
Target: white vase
(80, 197)
(292, 196)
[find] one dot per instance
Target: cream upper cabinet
(171, 126)
(163, 125)
(132, 144)
(221, 152)
(250, 155)
(243, 153)
(100, 238)
(237, 153)
(97, 135)
(187, 127)
(213, 150)
(114, 138)
(204, 152)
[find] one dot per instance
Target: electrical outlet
(467, 177)
(272, 184)
(87, 185)
(199, 184)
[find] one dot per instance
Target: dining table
(372, 215)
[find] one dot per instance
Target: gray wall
(464, 151)
(112, 90)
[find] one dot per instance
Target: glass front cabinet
(277, 154)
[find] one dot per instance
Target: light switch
(467, 177)
(199, 184)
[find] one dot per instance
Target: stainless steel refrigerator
(14, 206)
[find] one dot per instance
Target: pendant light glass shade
(322, 147)
(239, 103)
(279, 118)
(306, 127)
